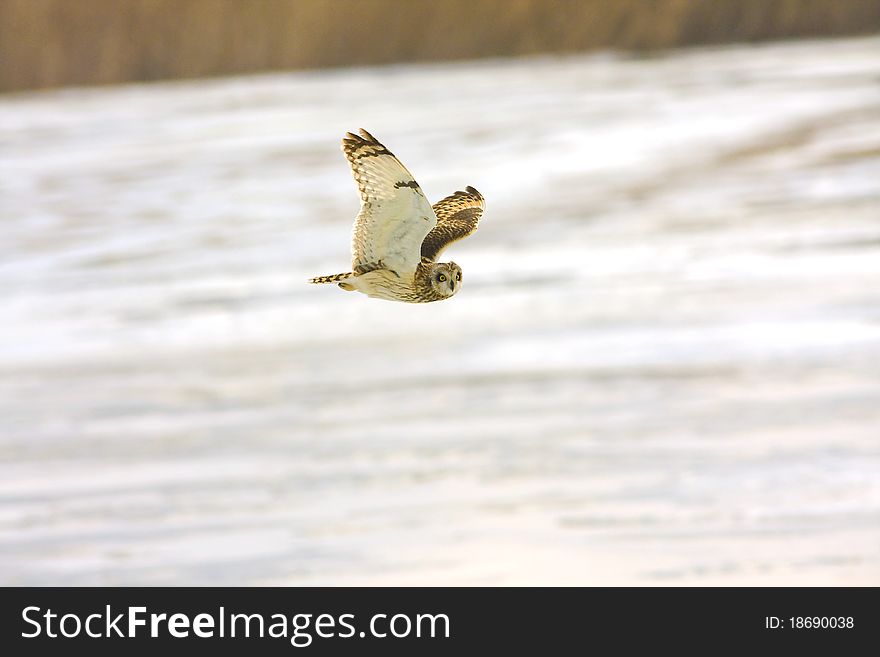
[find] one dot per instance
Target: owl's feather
(457, 217)
(395, 216)
(333, 278)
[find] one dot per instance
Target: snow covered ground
(663, 368)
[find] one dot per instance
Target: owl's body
(398, 235)
(422, 286)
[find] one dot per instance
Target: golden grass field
(48, 43)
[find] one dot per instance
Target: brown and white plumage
(398, 235)
(457, 217)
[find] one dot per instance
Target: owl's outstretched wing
(395, 216)
(457, 217)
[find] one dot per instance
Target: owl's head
(446, 278)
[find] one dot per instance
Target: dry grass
(45, 43)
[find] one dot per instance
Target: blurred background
(663, 368)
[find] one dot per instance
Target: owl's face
(446, 278)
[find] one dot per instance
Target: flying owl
(397, 235)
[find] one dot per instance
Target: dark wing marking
(457, 217)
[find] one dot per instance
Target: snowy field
(663, 367)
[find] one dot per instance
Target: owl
(398, 235)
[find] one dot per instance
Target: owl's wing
(395, 216)
(457, 217)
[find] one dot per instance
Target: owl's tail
(335, 278)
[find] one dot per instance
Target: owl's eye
(458, 276)
(442, 278)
